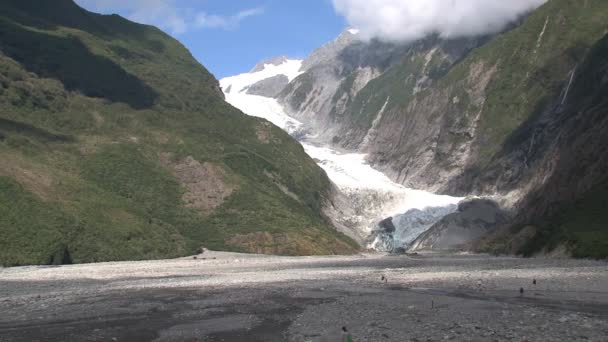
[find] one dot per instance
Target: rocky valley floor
(235, 297)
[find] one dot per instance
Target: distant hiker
(534, 281)
(346, 337)
(521, 291)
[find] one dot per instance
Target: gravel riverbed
(237, 297)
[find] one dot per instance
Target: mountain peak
(276, 61)
(353, 31)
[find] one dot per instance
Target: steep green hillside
(116, 144)
(521, 115)
(571, 208)
(581, 227)
(544, 126)
(471, 115)
(533, 63)
(423, 63)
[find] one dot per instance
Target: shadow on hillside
(33, 131)
(49, 15)
(68, 60)
(572, 203)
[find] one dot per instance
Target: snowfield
(291, 69)
(370, 193)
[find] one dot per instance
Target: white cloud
(406, 20)
(226, 22)
(173, 16)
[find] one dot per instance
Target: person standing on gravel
(346, 337)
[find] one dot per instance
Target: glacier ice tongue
(408, 227)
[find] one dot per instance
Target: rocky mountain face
(345, 64)
(550, 166)
(273, 61)
(115, 144)
(337, 87)
(442, 117)
(270, 87)
(518, 116)
(473, 220)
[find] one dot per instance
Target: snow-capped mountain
(289, 68)
(236, 89)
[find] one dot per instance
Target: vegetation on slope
(534, 60)
(569, 210)
(423, 63)
(581, 218)
(97, 113)
(580, 226)
(532, 63)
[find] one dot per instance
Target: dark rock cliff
(519, 115)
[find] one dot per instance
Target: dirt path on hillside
(234, 297)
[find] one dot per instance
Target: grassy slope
(87, 105)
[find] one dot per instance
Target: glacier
(369, 196)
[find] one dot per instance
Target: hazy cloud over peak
(173, 16)
(405, 20)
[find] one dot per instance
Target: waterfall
(569, 85)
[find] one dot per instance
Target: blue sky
(230, 37)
